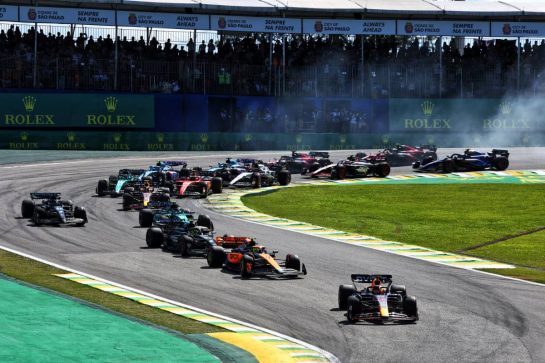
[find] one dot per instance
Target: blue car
(470, 160)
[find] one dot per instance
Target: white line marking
(326, 354)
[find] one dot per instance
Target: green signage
(463, 115)
(65, 110)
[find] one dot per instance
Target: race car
(352, 169)
(114, 186)
(379, 302)
(229, 170)
(251, 260)
(401, 155)
(196, 186)
(52, 210)
(186, 237)
(261, 176)
(170, 213)
(301, 163)
(163, 173)
(470, 160)
(143, 195)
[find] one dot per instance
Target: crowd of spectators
(386, 66)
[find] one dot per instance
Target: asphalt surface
(465, 316)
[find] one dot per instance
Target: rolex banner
(63, 110)
(465, 115)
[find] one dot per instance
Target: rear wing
(172, 163)
(361, 278)
(319, 154)
(500, 152)
(54, 196)
(231, 241)
(429, 147)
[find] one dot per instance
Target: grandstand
(315, 49)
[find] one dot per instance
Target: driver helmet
(375, 286)
(252, 242)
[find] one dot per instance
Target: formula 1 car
(172, 213)
(352, 169)
(175, 234)
(402, 155)
(377, 303)
(196, 186)
(261, 176)
(251, 260)
(470, 160)
(143, 195)
(230, 169)
(115, 184)
(53, 210)
(301, 163)
(163, 174)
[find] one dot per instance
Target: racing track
(464, 315)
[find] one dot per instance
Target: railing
(369, 81)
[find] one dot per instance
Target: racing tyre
(284, 177)
(500, 163)
(353, 309)
(164, 197)
(345, 291)
(204, 221)
(145, 218)
(102, 187)
(340, 172)
(80, 212)
(154, 237)
(128, 190)
(127, 201)
(416, 164)
(292, 261)
(398, 289)
(246, 267)
(37, 217)
(383, 170)
(217, 185)
(185, 245)
(27, 208)
(448, 166)
(255, 181)
(215, 257)
(410, 308)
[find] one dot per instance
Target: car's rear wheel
(217, 185)
(102, 187)
(27, 208)
(383, 170)
(255, 180)
(215, 257)
(284, 177)
(247, 267)
(345, 291)
(127, 201)
(154, 237)
(500, 163)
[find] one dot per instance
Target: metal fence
(370, 80)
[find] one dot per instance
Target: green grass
(450, 217)
(39, 274)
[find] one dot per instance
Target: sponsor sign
(8, 13)
(461, 115)
(66, 15)
(19, 110)
(507, 29)
(254, 24)
(339, 26)
(162, 20)
(448, 28)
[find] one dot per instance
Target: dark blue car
(470, 160)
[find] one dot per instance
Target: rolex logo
(204, 138)
(117, 137)
(111, 103)
(342, 139)
(160, 137)
(248, 137)
(29, 102)
(299, 139)
(505, 108)
(24, 136)
(71, 136)
(427, 108)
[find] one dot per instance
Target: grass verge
(449, 217)
(39, 274)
